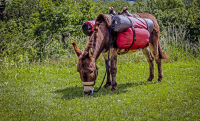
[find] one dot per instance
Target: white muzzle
(88, 86)
(89, 89)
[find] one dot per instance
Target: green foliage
(40, 29)
(21, 9)
(102, 7)
(64, 18)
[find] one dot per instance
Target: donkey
(99, 44)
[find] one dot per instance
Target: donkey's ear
(77, 50)
(90, 53)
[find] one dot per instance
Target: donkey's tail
(161, 54)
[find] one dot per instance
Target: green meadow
(55, 92)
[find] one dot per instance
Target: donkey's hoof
(112, 89)
(149, 79)
(159, 80)
(106, 85)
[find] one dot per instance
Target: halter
(88, 83)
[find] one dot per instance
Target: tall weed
(173, 40)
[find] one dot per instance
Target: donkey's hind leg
(148, 54)
(153, 45)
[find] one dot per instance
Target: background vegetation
(39, 30)
(38, 78)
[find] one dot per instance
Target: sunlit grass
(51, 89)
(55, 92)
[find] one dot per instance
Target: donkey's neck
(99, 41)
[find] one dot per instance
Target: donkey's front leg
(113, 68)
(108, 82)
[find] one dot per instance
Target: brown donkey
(99, 43)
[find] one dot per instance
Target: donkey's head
(87, 60)
(87, 68)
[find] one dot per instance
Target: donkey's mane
(93, 41)
(104, 17)
(107, 18)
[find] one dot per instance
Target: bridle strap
(88, 83)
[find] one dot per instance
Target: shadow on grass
(77, 92)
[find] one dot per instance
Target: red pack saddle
(136, 37)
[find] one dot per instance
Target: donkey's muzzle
(88, 90)
(88, 87)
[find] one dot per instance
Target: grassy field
(55, 92)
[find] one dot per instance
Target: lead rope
(107, 62)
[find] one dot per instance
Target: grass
(52, 89)
(55, 92)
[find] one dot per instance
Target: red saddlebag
(125, 40)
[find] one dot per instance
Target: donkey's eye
(91, 72)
